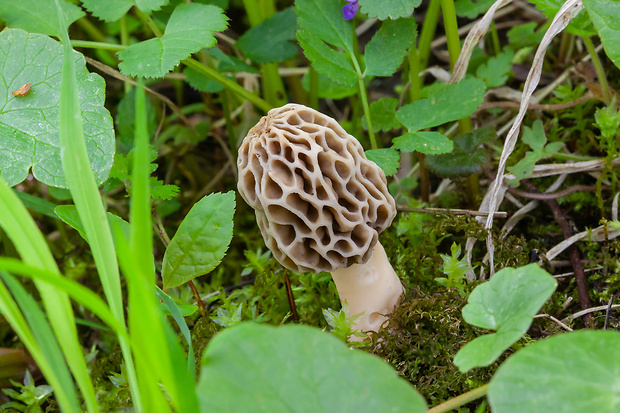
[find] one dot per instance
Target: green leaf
(259, 368)
(385, 52)
(108, 10)
(472, 8)
(430, 143)
(383, 113)
(535, 138)
(573, 373)
(29, 124)
(496, 70)
(604, 15)
(271, 41)
(388, 159)
(466, 158)
(37, 16)
(190, 29)
(148, 6)
(323, 19)
(507, 303)
(388, 8)
(327, 60)
(177, 314)
(451, 103)
(580, 25)
(201, 240)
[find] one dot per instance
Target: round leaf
(29, 124)
(257, 368)
(569, 373)
(201, 240)
(507, 303)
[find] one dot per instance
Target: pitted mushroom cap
(320, 204)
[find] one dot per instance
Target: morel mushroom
(321, 205)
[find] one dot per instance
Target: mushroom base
(372, 288)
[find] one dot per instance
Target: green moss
(425, 334)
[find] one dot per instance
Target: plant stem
(230, 84)
(425, 184)
(428, 32)
(97, 45)
(314, 88)
(273, 87)
(452, 30)
(364, 97)
(149, 22)
(125, 42)
(600, 72)
(460, 400)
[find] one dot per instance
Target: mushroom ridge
(320, 203)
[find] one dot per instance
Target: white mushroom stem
(372, 288)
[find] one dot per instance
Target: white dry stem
(599, 234)
(497, 189)
(372, 288)
(475, 35)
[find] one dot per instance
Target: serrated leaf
(495, 70)
(38, 16)
(160, 192)
(271, 41)
(108, 10)
(392, 9)
(148, 6)
(383, 113)
(430, 143)
(323, 19)
(190, 29)
(580, 25)
(573, 373)
(507, 303)
(451, 103)
(297, 368)
(388, 159)
(201, 241)
(472, 8)
(605, 16)
(29, 124)
(466, 158)
(327, 60)
(385, 52)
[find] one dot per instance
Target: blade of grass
(87, 199)
(178, 317)
(75, 290)
(37, 204)
(148, 326)
(33, 249)
(66, 398)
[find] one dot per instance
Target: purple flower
(350, 9)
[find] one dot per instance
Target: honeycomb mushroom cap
(320, 204)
